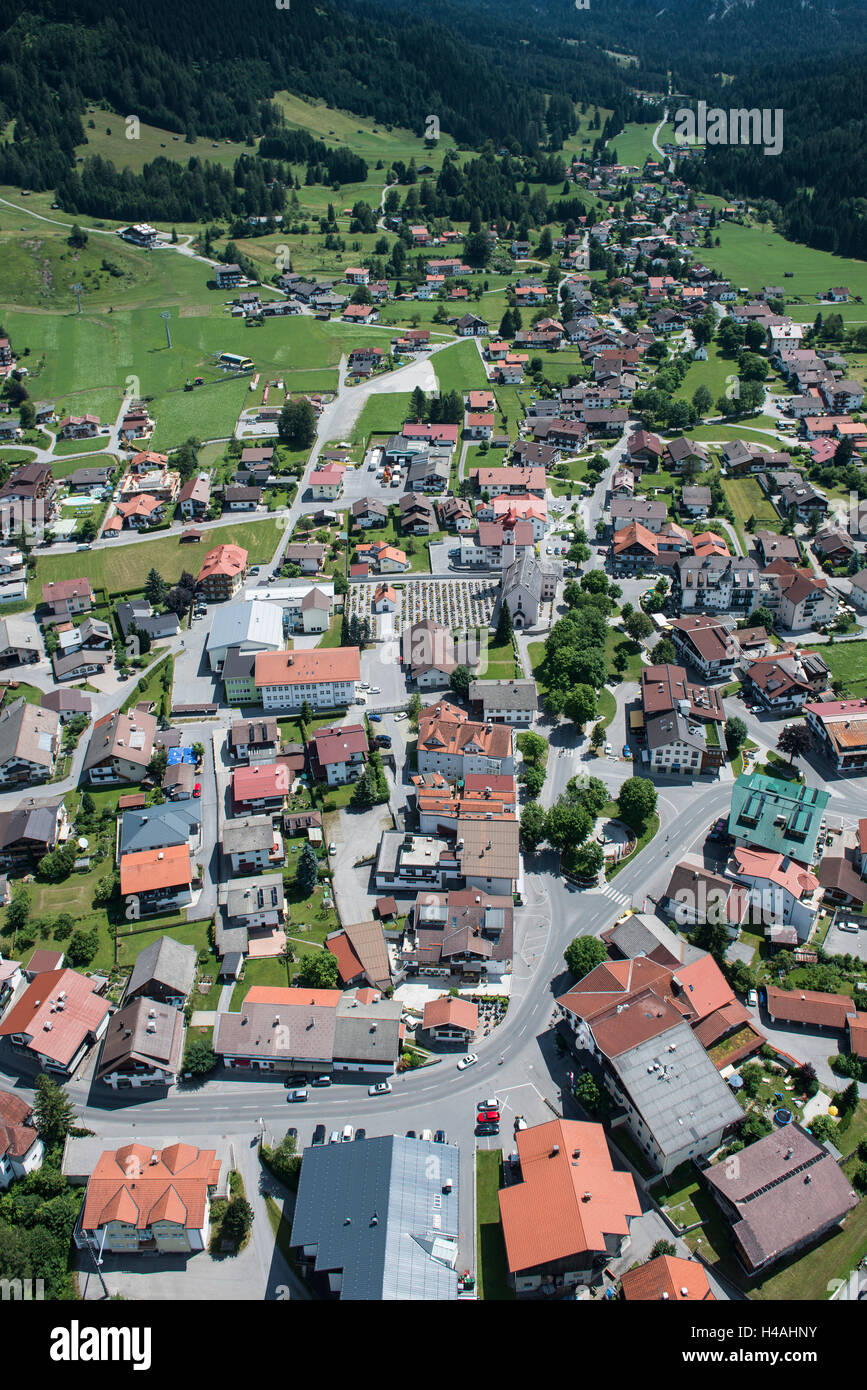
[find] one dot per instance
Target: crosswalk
(624, 899)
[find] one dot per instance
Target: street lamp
(76, 289)
(165, 316)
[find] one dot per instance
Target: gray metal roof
(378, 1212)
(157, 827)
(680, 1093)
(166, 961)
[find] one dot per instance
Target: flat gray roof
(680, 1093)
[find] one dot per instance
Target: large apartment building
(325, 679)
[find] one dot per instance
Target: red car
(487, 1117)
(197, 789)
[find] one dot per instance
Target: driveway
(357, 835)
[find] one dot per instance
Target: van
(427, 1134)
(347, 1134)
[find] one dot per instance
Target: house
(429, 471)
(707, 644)
(833, 546)
(668, 1277)
(324, 678)
(78, 427)
(78, 665)
(138, 616)
(228, 277)
(157, 879)
(326, 482)
(716, 582)
(450, 743)
(840, 729)
(570, 1213)
(57, 1018)
(29, 743)
(308, 557)
(254, 740)
(21, 1149)
(88, 479)
(695, 894)
(407, 861)
(450, 1020)
(521, 481)
(147, 1201)
(800, 600)
(488, 854)
(782, 891)
(369, 511)
(649, 512)
(384, 600)
(463, 931)
(633, 548)
(246, 626)
(417, 515)
(786, 680)
(222, 573)
(507, 702)
(20, 644)
(164, 972)
(30, 831)
(696, 501)
(771, 546)
(338, 753)
(320, 1031)
(251, 844)
(63, 597)
(786, 1193)
(802, 500)
(143, 1046)
(194, 497)
(428, 651)
(120, 748)
(380, 1231)
(769, 813)
(260, 787)
(254, 903)
(361, 954)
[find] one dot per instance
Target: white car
(398, 717)
(382, 1088)
(468, 1061)
(332, 848)
(608, 748)
(491, 1104)
(753, 999)
(375, 690)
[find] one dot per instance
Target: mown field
(125, 569)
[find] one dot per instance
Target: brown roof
(459, 1013)
(444, 728)
(307, 667)
(784, 1190)
(56, 1033)
(570, 1199)
(306, 1027)
(127, 1185)
(490, 849)
(667, 1277)
(809, 1006)
(858, 1034)
(144, 1032)
(16, 1135)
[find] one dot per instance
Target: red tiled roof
(126, 1185)
(667, 1277)
(82, 1012)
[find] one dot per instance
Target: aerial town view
(433, 631)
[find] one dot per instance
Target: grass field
(492, 1269)
(755, 256)
(124, 570)
(131, 146)
(713, 374)
(634, 143)
(382, 414)
(847, 662)
(460, 368)
(747, 499)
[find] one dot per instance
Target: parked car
(321, 1081)
(361, 1133)
(375, 690)
(400, 715)
(426, 1135)
(411, 1134)
(347, 1135)
(468, 1061)
(753, 999)
(492, 1104)
(440, 1136)
(297, 1093)
(383, 740)
(295, 1078)
(487, 1127)
(332, 848)
(197, 789)
(334, 1137)
(375, 718)
(319, 1134)
(380, 1088)
(292, 1133)
(484, 1116)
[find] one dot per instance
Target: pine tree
(155, 587)
(308, 871)
(504, 626)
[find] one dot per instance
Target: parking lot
(846, 943)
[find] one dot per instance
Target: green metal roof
(772, 814)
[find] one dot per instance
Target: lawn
(634, 143)
(492, 1269)
(382, 414)
(756, 255)
(713, 373)
(501, 664)
(747, 499)
(847, 662)
(331, 638)
(125, 569)
(460, 368)
(615, 641)
(805, 1278)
